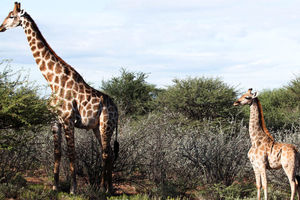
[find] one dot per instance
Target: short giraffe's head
(246, 99)
(13, 19)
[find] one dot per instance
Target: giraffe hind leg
(289, 169)
(297, 180)
(107, 158)
(69, 134)
(106, 176)
(56, 130)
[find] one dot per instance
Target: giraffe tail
(297, 177)
(297, 180)
(116, 144)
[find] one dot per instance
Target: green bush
(281, 108)
(200, 98)
(37, 192)
(23, 113)
(294, 87)
(20, 104)
(131, 92)
(144, 197)
(234, 191)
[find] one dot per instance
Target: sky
(246, 43)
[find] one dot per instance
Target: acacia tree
(131, 92)
(20, 104)
(200, 98)
(294, 88)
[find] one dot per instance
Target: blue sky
(247, 43)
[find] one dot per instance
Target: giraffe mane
(35, 27)
(262, 120)
(39, 34)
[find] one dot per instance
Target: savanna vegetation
(185, 141)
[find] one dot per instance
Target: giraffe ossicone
(265, 153)
(75, 102)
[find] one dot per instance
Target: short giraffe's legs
(293, 186)
(69, 133)
(56, 130)
(263, 174)
(258, 181)
(289, 169)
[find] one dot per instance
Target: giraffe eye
(248, 97)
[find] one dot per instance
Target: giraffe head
(13, 19)
(246, 99)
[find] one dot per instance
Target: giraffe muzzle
(2, 28)
(237, 103)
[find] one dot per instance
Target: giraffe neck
(257, 127)
(55, 70)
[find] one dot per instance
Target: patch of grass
(232, 192)
(66, 196)
(8, 190)
(92, 192)
(143, 197)
(37, 192)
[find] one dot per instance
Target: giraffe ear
(22, 12)
(249, 90)
(255, 95)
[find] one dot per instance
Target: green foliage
(22, 115)
(131, 92)
(281, 108)
(143, 197)
(20, 104)
(294, 87)
(20, 107)
(234, 191)
(134, 197)
(93, 192)
(37, 192)
(200, 98)
(13, 187)
(278, 108)
(8, 191)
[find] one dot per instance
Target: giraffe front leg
(258, 181)
(293, 187)
(263, 174)
(56, 130)
(69, 133)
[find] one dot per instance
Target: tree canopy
(200, 98)
(20, 104)
(131, 92)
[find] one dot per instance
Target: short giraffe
(265, 153)
(73, 100)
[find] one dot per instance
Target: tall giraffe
(73, 100)
(265, 153)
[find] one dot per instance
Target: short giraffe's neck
(55, 70)
(257, 127)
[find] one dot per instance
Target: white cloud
(251, 42)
